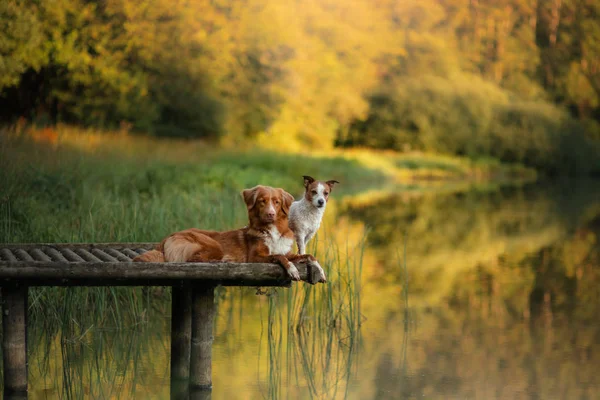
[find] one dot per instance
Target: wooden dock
(110, 264)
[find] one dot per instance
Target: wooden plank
(55, 254)
(118, 255)
(120, 273)
(71, 255)
(14, 340)
(129, 253)
(86, 255)
(23, 255)
(103, 255)
(39, 255)
(7, 255)
(203, 308)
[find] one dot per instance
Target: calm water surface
(470, 294)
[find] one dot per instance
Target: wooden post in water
(181, 330)
(181, 337)
(14, 340)
(203, 308)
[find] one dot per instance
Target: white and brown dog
(266, 239)
(306, 214)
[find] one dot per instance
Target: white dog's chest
(278, 244)
(306, 218)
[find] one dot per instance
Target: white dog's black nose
(321, 202)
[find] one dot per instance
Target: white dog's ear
(331, 183)
(308, 180)
(288, 199)
(249, 196)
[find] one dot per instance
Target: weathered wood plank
(103, 255)
(121, 273)
(23, 255)
(203, 308)
(14, 340)
(118, 255)
(6, 254)
(55, 254)
(86, 255)
(71, 255)
(39, 255)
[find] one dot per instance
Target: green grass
(65, 194)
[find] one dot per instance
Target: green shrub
(468, 116)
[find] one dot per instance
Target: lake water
(443, 293)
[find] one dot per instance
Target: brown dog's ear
(249, 196)
(331, 183)
(307, 180)
(287, 200)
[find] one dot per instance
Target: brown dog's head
(267, 205)
(317, 192)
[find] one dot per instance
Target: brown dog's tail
(150, 256)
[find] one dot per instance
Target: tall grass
(313, 333)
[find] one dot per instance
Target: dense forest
(517, 80)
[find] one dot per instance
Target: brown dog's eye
(276, 201)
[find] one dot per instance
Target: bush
(468, 116)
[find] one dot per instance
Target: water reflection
(504, 292)
(503, 302)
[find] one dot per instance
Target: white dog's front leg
(307, 238)
(300, 243)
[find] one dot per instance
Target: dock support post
(14, 340)
(203, 308)
(181, 336)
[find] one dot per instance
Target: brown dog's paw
(293, 272)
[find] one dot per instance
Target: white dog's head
(317, 192)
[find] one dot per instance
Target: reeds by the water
(313, 332)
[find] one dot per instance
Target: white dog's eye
(314, 192)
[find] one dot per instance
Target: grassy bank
(94, 187)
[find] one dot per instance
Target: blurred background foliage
(516, 80)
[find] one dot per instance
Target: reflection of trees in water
(448, 234)
(517, 321)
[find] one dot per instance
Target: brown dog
(266, 239)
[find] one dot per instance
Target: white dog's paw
(293, 272)
(322, 277)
